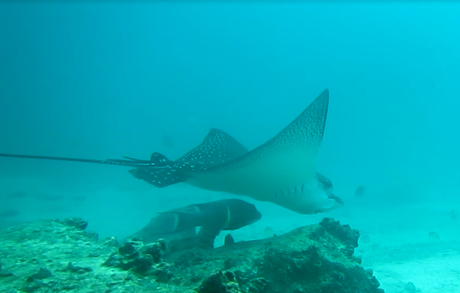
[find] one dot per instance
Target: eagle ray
(281, 171)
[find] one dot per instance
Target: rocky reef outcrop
(60, 256)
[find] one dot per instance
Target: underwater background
(100, 80)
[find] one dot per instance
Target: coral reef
(57, 256)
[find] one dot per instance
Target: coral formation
(55, 256)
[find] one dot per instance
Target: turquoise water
(102, 79)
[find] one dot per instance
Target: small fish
(9, 213)
(18, 194)
(212, 217)
(167, 140)
(359, 192)
(454, 215)
(269, 232)
(433, 236)
(79, 198)
(48, 197)
(364, 239)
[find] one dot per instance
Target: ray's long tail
(130, 162)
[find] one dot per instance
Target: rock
(78, 269)
(6, 274)
(76, 222)
(409, 287)
(156, 250)
(317, 258)
(218, 283)
(134, 255)
(343, 232)
(42, 274)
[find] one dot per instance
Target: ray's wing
(285, 161)
(305, 132)
(216, 149)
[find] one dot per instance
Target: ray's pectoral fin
(159, 172)
(288, 159)
(217, 148)
(281, 171)
(159, 160)
(159, 177)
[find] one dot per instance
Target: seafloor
(61, 256)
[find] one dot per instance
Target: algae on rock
(54, 256)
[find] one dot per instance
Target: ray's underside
(286, 161)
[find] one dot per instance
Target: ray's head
(318, 201)
(325, 199)
(317, 197)
(330, 201)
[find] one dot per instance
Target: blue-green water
(104, 79)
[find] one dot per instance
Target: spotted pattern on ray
(306, 132)
(217, 148)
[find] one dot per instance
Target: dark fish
(433, 236)
(364, 239)
(454, 215)
(167, 140)
(269, 232)
(229, 214)
(359, 192)
(18, 194)
(48, 197)
(9, 213)
(79, 198)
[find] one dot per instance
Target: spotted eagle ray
(281, 171)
